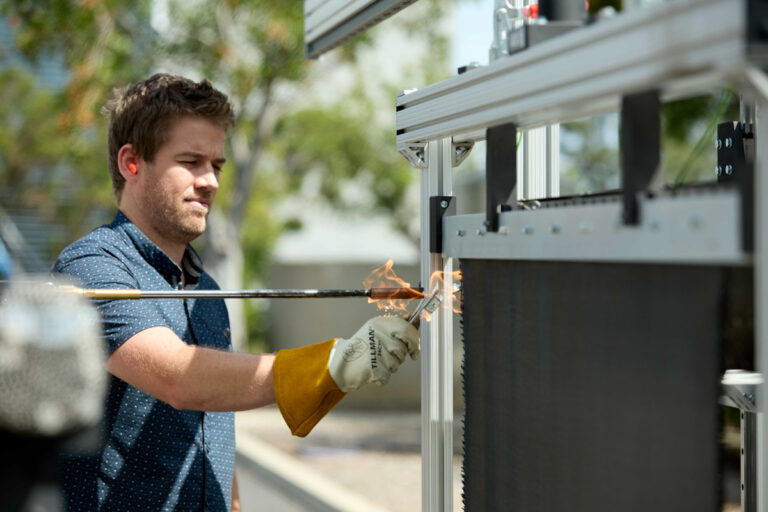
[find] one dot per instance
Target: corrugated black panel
(591, 387)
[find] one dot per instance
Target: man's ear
(128, 162)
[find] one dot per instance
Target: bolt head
(718, 143)
(528, 230)
(554, 229)
(444, 204)
(728, 142)
(728, 170)
(719, 170)
(461, 232)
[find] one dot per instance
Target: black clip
(735, 155)
(640, 149)
(500, 171)
(439, 206)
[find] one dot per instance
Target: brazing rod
(373, 293)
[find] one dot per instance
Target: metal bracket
(416, 155)
(735, 157)
(528, 35)
(500, 171)
(640, 149)
(740, 388)
(439, 206)
(732, 138)
(461, 151)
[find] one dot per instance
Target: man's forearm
(185, 376)
(215, 380)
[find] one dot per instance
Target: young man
(169, 429)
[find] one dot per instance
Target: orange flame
(449, 286)
(385, 277)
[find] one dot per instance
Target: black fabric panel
(591, 387)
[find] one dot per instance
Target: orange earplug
(132, 168)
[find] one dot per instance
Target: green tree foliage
(53, 139)
(688, 128)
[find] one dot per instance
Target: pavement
(361, 461)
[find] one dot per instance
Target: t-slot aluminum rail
(436, 345)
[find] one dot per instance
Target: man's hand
(373, 353)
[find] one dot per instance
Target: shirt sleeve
(121, 319)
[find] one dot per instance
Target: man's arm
(159, 363)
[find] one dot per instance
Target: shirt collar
(191, 264)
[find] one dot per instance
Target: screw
(481, 232)
(585, 227)
(443, 204)
(528, 230)
(728, 170)
(503, 230)
(461, 232)
(554, 229)
(719, 170)
(728, 142)
(719, 144)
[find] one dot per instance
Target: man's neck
(174, 250)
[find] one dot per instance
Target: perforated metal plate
(591, 386)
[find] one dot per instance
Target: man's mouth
(204, 204)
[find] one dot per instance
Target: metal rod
(373, 293)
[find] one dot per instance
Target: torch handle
(121, 294)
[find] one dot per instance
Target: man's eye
(187, 162)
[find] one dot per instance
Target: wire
(704, 140)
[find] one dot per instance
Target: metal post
(536, 163)
(436, 350)
(553, 160)
(540, 167)
(760, 83)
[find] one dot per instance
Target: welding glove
(373, 353)
(309, 381)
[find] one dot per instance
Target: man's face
(182, 180)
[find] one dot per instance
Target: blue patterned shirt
(154, 457)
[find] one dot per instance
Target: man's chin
(191, 231)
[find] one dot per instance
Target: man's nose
(208, 178)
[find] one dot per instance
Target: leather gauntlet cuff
(304, 389)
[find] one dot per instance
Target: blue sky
(473, 32)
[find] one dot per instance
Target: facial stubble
(172, 217)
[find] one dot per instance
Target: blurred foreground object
(52, 383)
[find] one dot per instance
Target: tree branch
(246, 171)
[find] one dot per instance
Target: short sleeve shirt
(154, 457)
